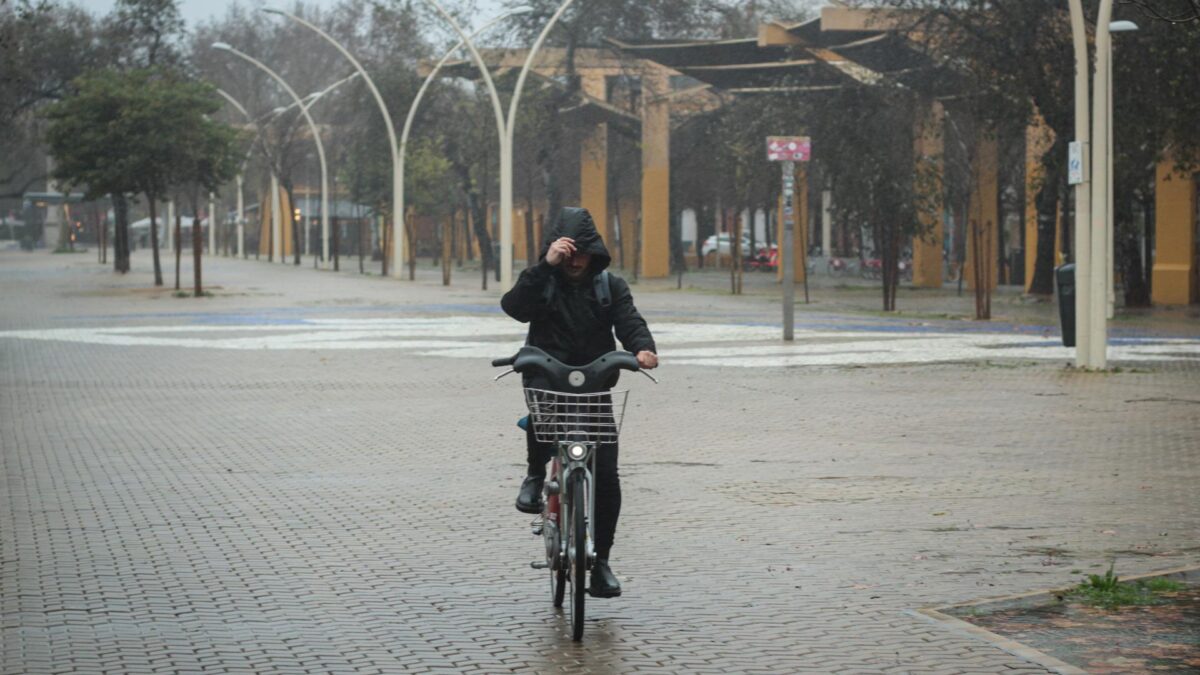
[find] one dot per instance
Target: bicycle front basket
(564, 416)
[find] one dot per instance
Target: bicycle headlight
(577, 451)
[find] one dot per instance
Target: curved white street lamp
(397, 181)
(505, 129)
(1110, 268)
(241, 199)
(412, 109)
(316, 137)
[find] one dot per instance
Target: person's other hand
(560, 250)
(647, 359)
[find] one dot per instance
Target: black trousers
(607, 482)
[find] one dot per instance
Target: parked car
(722, 244)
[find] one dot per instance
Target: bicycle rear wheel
(577, 548)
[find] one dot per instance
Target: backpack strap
(603, 288)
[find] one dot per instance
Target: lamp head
(1122, 26)
(270, 10)
(224, 46)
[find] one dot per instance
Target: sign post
(789, 150)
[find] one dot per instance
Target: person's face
(576, 266)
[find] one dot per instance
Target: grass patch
(1107, 591)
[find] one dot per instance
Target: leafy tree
(43, 47)
(148, 33)
(144, 131)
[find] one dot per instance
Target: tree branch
(1188, 15)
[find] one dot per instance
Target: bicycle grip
(506, 361)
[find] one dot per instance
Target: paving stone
(179, 509)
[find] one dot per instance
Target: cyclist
(573, 307)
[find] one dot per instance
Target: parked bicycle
(577, 413)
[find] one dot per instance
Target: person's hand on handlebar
(560, 250)
(647, 359)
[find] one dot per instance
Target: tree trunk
(362, 245)
(530, 251)
(1129, 257)
(154, 239)
(197, 248)
(384, 247)
(335, 243)
(178, 225)
(296, 225)
(120, 233)
(1047, 207)
(410, 235)
(447, 235)
(735, 251)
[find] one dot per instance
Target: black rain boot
(604, 582)
(529, 499)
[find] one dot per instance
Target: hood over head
(576, 223)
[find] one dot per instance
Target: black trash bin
(1064, 277)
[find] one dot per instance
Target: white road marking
(705, 344)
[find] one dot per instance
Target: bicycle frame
(568, 467)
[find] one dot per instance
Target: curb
(1032, 599)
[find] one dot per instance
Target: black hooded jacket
(566, 319)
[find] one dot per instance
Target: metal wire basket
(563, 416)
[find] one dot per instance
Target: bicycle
(577, 414)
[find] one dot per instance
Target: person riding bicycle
(572, 317)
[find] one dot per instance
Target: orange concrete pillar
(1175, 223)
(1038, 139)
(928, 150)
(518, 219)
(656, 173)
(800, 231)
(983, 210)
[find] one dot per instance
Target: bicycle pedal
(539, 565)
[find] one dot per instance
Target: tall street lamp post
(316, 137)
(397, 179)
(505, 129)
(241, 199)
(1097, 332)
(1083, 197)
(412, 109)
(1113, 27)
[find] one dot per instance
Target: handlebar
(595, 376)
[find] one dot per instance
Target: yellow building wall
(1175, 265)
(927, 250)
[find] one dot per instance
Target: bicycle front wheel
(577, 548)
(558, 584)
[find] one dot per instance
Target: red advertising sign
(789, 148)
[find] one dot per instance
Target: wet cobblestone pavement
(183, 506)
